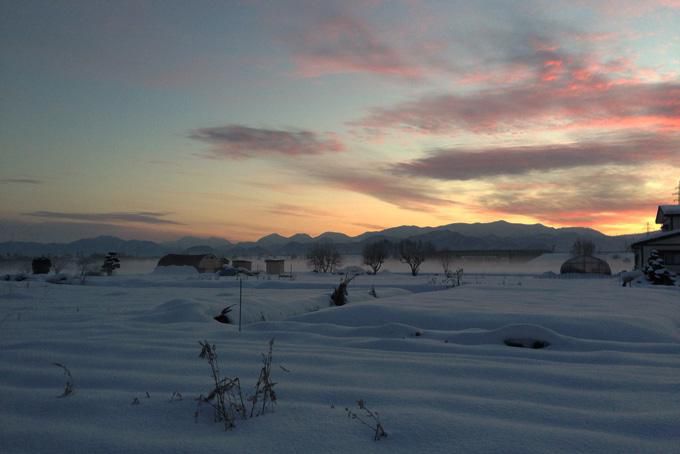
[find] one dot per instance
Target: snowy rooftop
(657, 236)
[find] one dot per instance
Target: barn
(204, 263)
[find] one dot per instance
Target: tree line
(324, 257)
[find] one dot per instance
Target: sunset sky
(236, 119)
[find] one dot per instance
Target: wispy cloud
(384, 186)
(464, 164)
(286, 209)
(578, 198)
(141, 217)
(345, 44)
(19, 181)
(238, 142)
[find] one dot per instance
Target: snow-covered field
(431, 360)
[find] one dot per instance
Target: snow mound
(178, 310)
(515, 333)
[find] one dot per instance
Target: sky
(236, 119)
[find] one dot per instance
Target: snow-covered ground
(431, 360)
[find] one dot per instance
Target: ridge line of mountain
(498, 235)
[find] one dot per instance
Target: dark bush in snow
(656, 270)
(41, 265)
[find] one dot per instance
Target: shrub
(339, 295)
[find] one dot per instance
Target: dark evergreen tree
(656, 270)
(111, 263)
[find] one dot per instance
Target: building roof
(657, 236)
(274, 260)
(182, 259)
(666, 210)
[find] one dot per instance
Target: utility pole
(240, 302)
(677, 193)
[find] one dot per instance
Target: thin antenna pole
(677, 193)
(240, 302)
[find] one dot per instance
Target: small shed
(585, 264)
(204, 263)
(275, 266)
(245, 264)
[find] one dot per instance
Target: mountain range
(499, 235)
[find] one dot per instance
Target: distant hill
(499, 235)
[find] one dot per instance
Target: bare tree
(413, 253)
(59, 263)
(374, 254)
(85, 265)
(445, 258)
(324, 257)
(582, 246)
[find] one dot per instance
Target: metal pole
(240, 302)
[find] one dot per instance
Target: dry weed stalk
(227, 396)
(368, 418)
(264, 389)
(68, 386)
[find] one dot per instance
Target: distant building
(585, 264)
(275, 266)
(245, 264)
(666, 241)
(204, 263)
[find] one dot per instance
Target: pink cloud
(586, 98)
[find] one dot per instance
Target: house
(275, 266)
(245, 264)
(204, 263)
(666, 241)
